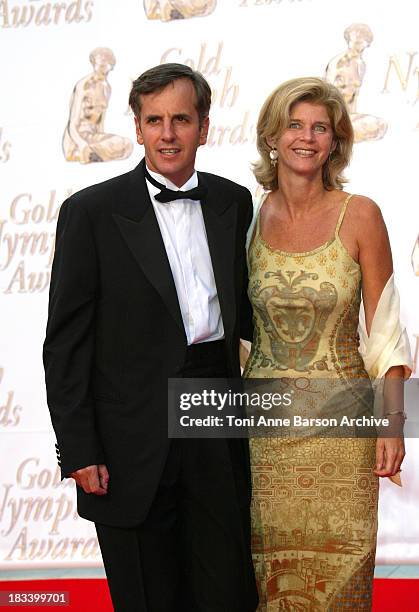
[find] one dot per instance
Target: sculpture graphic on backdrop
(346, 71)
(168, 10)
(415, 257)
(85, 139)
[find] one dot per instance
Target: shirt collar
(190, 183)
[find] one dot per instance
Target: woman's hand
(389, 456)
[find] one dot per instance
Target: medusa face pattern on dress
(294, 316)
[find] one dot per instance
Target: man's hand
(92, 479)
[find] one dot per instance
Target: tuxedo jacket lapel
(137, 222)
(220, 217)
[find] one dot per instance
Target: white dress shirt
(183, 231)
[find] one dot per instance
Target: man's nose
(168, 133)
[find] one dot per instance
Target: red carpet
(390, 594)
(396, 595)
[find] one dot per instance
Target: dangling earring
(273, 154)
(329, 159)
(326, 169)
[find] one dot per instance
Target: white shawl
(387, 344)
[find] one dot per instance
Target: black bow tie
(168, 195)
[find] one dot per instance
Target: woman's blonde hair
(274, 118)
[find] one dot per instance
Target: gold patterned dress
(314, 508)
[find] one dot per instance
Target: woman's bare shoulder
(364, 209)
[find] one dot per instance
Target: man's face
(170, 132)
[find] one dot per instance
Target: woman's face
(306, 142)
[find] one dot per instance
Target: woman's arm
(376, 267)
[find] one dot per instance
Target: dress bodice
(306, 310)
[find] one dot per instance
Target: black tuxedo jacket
(115, 332)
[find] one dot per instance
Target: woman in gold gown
(315, 250)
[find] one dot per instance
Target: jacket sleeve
(70, 339)
(246, 313)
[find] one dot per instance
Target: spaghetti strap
(342, 214)
(254, 225)
(254, 231)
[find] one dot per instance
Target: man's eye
(152, 120)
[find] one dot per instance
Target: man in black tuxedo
(149, 282)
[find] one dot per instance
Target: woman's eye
(320, 128)
(294, 125)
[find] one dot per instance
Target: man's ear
(140, 139)
(203, 131)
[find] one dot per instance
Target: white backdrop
(245, 48)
